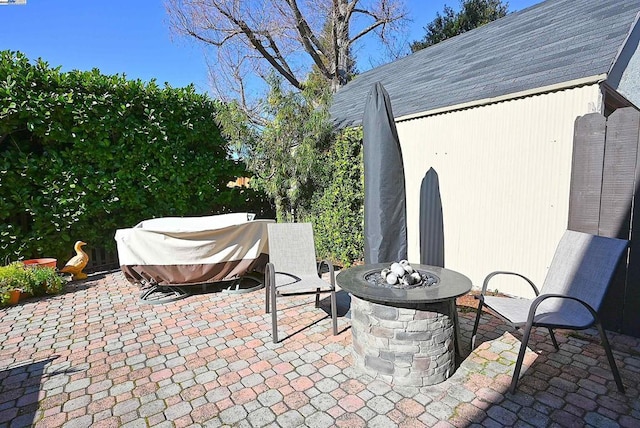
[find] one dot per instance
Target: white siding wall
(504, 172)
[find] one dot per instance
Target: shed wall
(504, 172)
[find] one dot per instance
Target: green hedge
(338, 212)
(83, 154)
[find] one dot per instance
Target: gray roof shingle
(549, 43)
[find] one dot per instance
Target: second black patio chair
(293, 270)
(573, 290)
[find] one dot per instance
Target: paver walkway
(94, 356)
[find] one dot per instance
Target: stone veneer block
(409, 345)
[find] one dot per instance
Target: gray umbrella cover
(385, 218)
(431, 222)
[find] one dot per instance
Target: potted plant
(18, 281)
(14, 281)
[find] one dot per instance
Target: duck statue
(78, 262)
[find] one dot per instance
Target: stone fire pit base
(411, 344)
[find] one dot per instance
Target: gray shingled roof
(549, 43)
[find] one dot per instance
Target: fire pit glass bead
(401, 275)
(427, 280)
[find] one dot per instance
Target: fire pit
(404, 335)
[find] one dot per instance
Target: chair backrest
(291, 248)
(582, 267)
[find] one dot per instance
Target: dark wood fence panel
(101, 260)
(632, 291)
(618, 157)
(618, 179)
(586, 173)
(618, 174)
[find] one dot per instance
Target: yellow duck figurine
(77, 263)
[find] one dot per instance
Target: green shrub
(83, 154)
(338, 212)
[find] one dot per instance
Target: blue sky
(133, 37)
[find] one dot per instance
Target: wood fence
(100, 259)
(604, 200)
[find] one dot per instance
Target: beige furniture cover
(193, 250)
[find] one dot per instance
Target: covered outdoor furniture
(573, 290)
(293, 270)
(178, 251)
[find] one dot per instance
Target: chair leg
(553, 339)
(317, 298)
(523, 349)
(475, 325)
(267, 288)
(274, 314)
(612, 362)
(334, 312)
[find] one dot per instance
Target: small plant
(36, 280)
(15, 276)
(45, 281)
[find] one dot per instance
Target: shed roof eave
(599, 78)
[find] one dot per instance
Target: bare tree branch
(278, 54)
(366, 31)
(276, 61)
(253, 38)
(311, 44)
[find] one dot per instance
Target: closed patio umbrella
(385, 222)
(431, 224)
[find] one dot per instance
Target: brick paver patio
(94, 356)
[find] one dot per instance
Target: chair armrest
(485, 284)
(270, 274)
(538, 300)
(332, 276)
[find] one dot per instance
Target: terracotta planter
(14, 296)
(47, 262)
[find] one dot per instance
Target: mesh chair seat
(290, 284)
(516, 311)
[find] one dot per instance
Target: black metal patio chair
(293, 270)
(570, 298)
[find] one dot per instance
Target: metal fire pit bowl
(449, 285)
